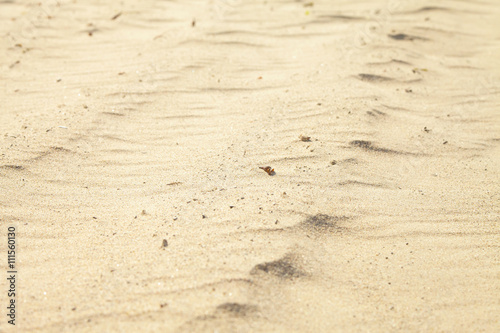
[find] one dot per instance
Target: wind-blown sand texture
(124, 123)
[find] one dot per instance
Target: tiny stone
(305, 138)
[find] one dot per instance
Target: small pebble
(304, 138)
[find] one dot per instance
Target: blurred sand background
(124, 123)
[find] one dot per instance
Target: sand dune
(128, 123)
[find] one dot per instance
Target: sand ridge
(125, 123)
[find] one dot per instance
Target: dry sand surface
(127, 123)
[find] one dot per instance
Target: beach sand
(131, 139)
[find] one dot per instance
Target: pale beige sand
(151, 128)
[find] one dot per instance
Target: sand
(131, 139)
